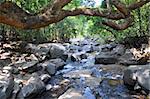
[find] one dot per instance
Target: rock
(29, 66)
(106, 59)
(5, 62)
(33, 87)
(49, 67)
(6, 86)
(57, 50)
(91, 82)
(138, 74)
(88, 94)
(7, 69)
(128, 59)
(72, 94)
(78, 74)
(108, 47)
(45, 78)
(87, 48)
(48, 86)
(59, 63)
(119, 50)
(15, 92)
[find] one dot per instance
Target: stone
(128, 58)
(88, 94)
(78, 73)
(49, 67)
(16, 90)
(29, 66)
(5, 62)
(119, 50)
(33, 87)
(59, 63)
(87, 48)
(57, 50)
(93, 82)
(6, 86)
(138, 74)
(7, 69)
(72, 94)
(106, 59)
(45, 78)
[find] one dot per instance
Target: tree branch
(13, 15)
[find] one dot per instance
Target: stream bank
(81, 69)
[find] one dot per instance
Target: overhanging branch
(13, 15)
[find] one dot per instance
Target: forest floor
(80, 69)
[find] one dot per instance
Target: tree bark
(13, 15)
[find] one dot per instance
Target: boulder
(57, 50)
(50, 68)
(106, 59)
(6, 86)
(128, 58)
(28, 66)
(138, 74)
(5, 62)
(59, 63)
(33, 87)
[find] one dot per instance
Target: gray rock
(106, 59)
(87, 48)
(138, 74)
(5, 62)
(72, 94)
(57, 50)
(128, 59)
(7, 69)
(15, 92)
(33, 87)
(45, 78)
(6, 86)
(49, 67)
(88, 94)
(28, 66)
(59, 63)
(78, 73)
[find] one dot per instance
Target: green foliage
(82, 25)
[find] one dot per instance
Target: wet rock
(78, 74)
(33, 87)
(88, 94)
(91, 82)
(138, 74)
(78, 56)
(72, 94)
(6, 86)
(28, 66)
(106, 59)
